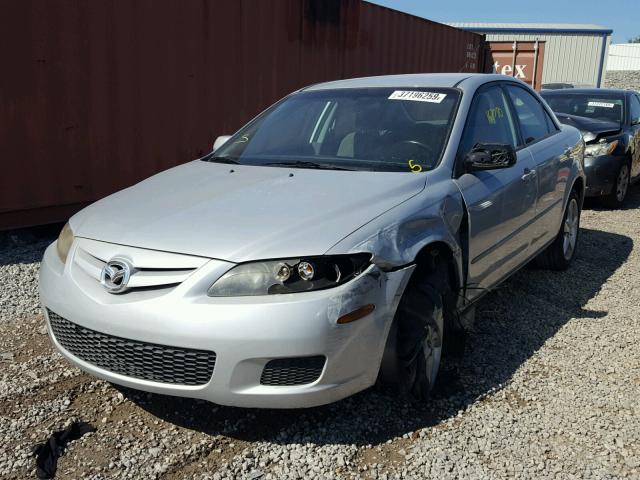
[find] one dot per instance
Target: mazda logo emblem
(115, 275)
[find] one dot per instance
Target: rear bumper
(244, 332)
(601, 174)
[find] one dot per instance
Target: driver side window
(489, 120)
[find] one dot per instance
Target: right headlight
(65, 239)
(289, 275)
(601, 148)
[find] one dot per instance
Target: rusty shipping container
(523, 60)
(97, 95)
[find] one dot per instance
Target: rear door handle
(528, 173)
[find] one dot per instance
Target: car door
(552, 157)
(634, 117)
(501, 203)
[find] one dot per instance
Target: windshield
(599, 107)
(376, 129)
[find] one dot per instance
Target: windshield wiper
(304, 164)
(223, 160)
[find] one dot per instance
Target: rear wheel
(619, 193)
(560, 253)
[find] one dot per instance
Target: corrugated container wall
(624, 56)
(574, 54)
(95, 96)
(568, 58)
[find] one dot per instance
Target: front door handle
(528, 173)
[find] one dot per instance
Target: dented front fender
(396, 237)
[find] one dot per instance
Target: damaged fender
(396, 237)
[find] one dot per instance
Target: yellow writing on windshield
(415, 168)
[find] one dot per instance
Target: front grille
(147, 361)
(292, 371)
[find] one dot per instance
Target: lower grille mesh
(132, 358)
(292, 371)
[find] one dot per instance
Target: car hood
(239, 213)
(590, 127)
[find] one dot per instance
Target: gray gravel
(548, 388)
(20, 254)
(626, 79)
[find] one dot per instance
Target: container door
(522, 60)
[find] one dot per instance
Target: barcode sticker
(417, 96)
(601, 104)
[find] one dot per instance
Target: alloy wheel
(432, 348)
(622, 183)
(571, 225)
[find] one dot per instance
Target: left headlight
(601, 148)
(65, 239)
(289, 275)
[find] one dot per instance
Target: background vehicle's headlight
(601, 148)
(65, 239)
(289, 275)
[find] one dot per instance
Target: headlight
(289, 275)
(65, 239)
(601, 148)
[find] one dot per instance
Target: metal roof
(444, 80)
(483, 27)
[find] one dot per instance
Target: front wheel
(560, 253)
(423, 316)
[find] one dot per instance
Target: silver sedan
(336, 240)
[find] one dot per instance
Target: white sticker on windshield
(417, 96)
(601, 104)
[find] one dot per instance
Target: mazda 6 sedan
(338, 239)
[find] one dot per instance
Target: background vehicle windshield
(599, 107)
(379, 129)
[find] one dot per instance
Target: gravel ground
(623, 79)
(548, 388)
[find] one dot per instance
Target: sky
(622, 16)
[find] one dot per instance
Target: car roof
(588, 91)
(418, 80)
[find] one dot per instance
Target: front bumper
(601, 174)
(244, 332)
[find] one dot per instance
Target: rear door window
(534, 121)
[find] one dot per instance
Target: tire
(618, 194)
(560, 253)
(424, 316)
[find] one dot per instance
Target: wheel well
(578, 186)
(426, 257)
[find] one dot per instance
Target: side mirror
(490, 156)
(221, 140)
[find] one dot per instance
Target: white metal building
(624, 56)
(574, 53)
